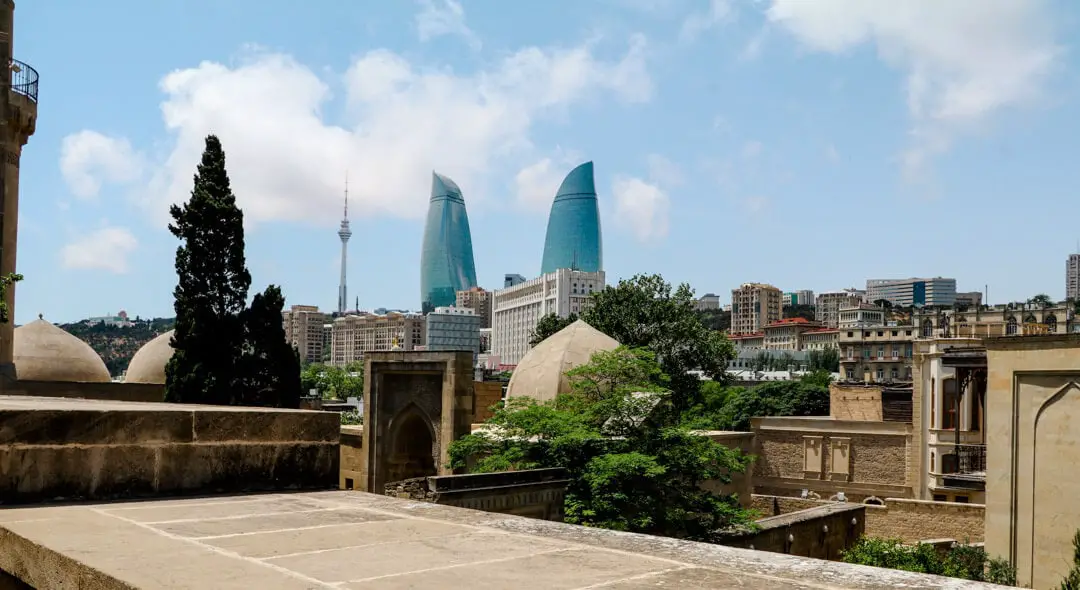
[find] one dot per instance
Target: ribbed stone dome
(148, 364)
(44, 352)
(541, 374)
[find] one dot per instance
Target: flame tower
(344, 233)
(573, 233)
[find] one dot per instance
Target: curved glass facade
(573, 231)
(446, 260)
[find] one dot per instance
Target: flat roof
(352, 540)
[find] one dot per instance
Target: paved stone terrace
(352, 540)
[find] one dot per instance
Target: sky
(811, 145)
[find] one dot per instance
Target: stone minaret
(18, 118)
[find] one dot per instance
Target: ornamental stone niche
(415, 404)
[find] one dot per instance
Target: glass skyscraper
(573, 231)
(446, 260)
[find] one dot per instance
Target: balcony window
(1051, 323)
(948, 404)
(927, 328)
(893, 374)
(1010, 326)
(881, 374)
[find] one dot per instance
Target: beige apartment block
(876, 355)
(477, 300)
(1032, 486)
(820, 339)
(827, 305)
(304, 330)
(856, 314)
(354, 335)
(754, 306)
(1013, 319)
(949, 420)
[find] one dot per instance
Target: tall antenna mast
(344, 233)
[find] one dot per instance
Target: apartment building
(786, 334)
(800, 297)
(920, 292)
(969, 299)
(827, 305)
(303, 326)
(516, 310)
(353, 335)
(881, 354)
(1072, 277)
(789, 334)
(860, 315)
(477, 300)
(453, 328)
(707, 301)
(754, 306)
(511, 279)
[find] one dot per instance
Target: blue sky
(806, 144)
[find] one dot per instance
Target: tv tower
(344, 233)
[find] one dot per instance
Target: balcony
(964, 466)
(24, 80)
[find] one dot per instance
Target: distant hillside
(116, 345)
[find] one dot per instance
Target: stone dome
(541, 374)
(44, 352)
(148, 364)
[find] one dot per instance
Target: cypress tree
(211, 290)
(271, 366)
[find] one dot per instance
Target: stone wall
(119, 392)
(488, 393)
(53, 448)
(353, 459)
(909, 520)
(821, 532)
(922, 520)
(855, 402)
(535, 493)
(826, 456)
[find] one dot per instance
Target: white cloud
(663, 171)
(831, 154)
(718, 12)
(105, 249)
(444, 17)
(641, 207)
(966, 60)
(287, 163)
(752, 149)
(536, 184)
(89, 159)
(756, 204)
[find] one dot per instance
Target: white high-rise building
(1072, 277)
(516, 310)
(800, 297)
(935, 292)
(344, 233)
(827, 305)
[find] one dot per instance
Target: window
(960, 499)
(948, 404)
(941, 498)
(851, 334)
(1010, 326)
(881, 374)
(897, 332)
(894, 374)
(907, 332)
(880, 333)
(927, 328)
(895, 351)
(881, 352)
(1051, 323)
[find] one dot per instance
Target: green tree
(7, 281)
(733, 409)
(715, 319)
(962, 561)
(644, 312)
(334, 382)
(549, 325)
(626, 472)
(212, 288)
(805, 311)
(270, 366)
(1042, 300)
(826, 359)
(1072, 579)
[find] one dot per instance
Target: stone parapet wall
(488, 393)
(823, 532)
(117, 392)
(353, 460)
(52, 448)
(922, 520)
(909, 520)
(855, 402)
(535, 493)
(742, 484)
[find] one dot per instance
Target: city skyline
(447, 264)
(737, 142)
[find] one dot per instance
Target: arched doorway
(412, 447)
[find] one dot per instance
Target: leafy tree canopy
(803, 310)
(334, 382)
(644, 312)
(626, 472)
(962, 561)
(731, 408)
(550, 325)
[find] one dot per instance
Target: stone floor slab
(359, 540)
(333, 537)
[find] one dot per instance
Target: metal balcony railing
(24, 79)
(966, 460)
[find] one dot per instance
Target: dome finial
(40, 316)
